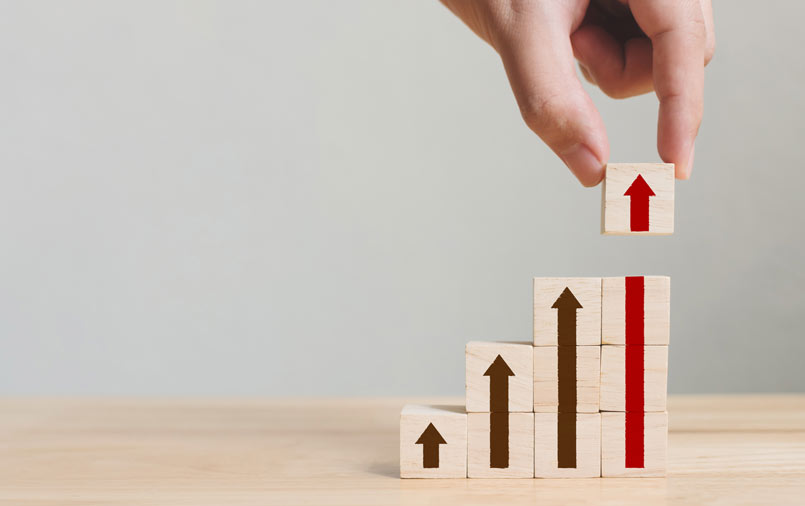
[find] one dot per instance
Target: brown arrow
(430, 441)
(499, 440)
(566, 304)
(499, 373)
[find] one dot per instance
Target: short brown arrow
(566, 304)
(430, 441)
(499, 373)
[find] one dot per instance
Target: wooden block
(650, 376)
(546, 378)
(433, 442)
(577, 451)
(500, 445)
(634, 447)
(638, 199)
(502, 372)
(639, 306)
(572, 317)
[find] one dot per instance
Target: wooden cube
(647, 380)
(567, 311)
(638, 199)
(433, 442)
(636, 310)
(567, 445)
(547, 377)
(634, 444)
(500, 445)
(500, 372)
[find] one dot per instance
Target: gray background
(333, 197)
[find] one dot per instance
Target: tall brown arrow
(430, 441)
(566, 304)
(499, 373)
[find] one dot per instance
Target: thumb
(538, 58)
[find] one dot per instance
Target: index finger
(677, 32)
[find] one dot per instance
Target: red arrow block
(638, 198)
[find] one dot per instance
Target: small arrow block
(433, 442)
(634, 444)
(638, 199)
(499, 377)
(546, 378)
(564, 305)
(517, 442)
(636, 310)
(586, 448)
(652, 373)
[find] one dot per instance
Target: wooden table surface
(722, 450)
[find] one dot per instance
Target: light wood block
(613, 374)
(433, 442)
(518, 357)
(546, 379)
(656, 308)
(587, 293)
(520, 460)
(587, 446)
(638, 199)
(613, 445)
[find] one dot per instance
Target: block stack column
(567, 339)
(500, 421)
(635, 327)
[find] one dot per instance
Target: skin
(625, 47)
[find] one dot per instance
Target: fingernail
(583, 164)
(689, 166)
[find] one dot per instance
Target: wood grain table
(722, 450)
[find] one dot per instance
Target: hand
(625, 47)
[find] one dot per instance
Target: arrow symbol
(430, 441)
(566, 306)
(639, 192)
(499, 373)
(634, 394)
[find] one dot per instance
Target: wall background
(271, 198)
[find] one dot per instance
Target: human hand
(625, 47)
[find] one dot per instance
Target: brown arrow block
(433, 442)
(613, 378)
(484, 445)
(549, 450)
(652, 446)
(643, 299)
(502, 372)
(631, 190)
(567, 310)
(587, 380)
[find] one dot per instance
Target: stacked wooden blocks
(586, 398)
(635, 328)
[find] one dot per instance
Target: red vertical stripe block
(635, 339)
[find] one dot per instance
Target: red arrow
(635, 370)
(430, 441)
(639, 192)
